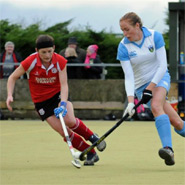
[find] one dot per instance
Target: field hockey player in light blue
(143, 58)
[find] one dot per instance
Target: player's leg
(80, 128)
(45, 111)
(162, 123)
(176, 121)
(77, 141)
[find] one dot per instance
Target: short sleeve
(27, 62)
(122, 54)
(158, 40)
(61, 61)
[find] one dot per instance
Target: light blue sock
(181, 132)
(163, 126)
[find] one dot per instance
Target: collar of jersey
(39, 63)
(146, 33)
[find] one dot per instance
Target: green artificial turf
(31, 153)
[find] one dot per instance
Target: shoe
(91, 159)
(101, 146)
(168, 155)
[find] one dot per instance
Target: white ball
(77, 155)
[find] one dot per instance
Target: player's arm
(129, 86)
(63, 93)
(129, 80)
(161, 60)
(11, 84)
(64, 84)
(124, 59)
(162, 66)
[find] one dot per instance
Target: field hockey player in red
(47, 77)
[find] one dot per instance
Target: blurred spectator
(92, 72)
(8, 57)
(71, 56)
(72, 43)
(81, 53)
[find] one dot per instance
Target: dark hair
(72, 40)
(44, 41)
(133, 18)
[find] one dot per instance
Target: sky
(97, 14)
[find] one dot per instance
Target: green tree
(24, 39)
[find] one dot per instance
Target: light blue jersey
(142, 56)
(143, 62)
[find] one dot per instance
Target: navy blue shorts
(46, 108)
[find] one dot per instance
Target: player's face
(46, 54)
(130, 31)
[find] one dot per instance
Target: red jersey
(43, 83)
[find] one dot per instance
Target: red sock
(81, 129)
(78, 142)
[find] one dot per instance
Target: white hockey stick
(75, 161)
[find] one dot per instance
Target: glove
(129, 110)
(62, 109)
(147, 96)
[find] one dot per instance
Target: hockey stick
(82, 155)
(75, 161)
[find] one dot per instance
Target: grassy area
(31, 153)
